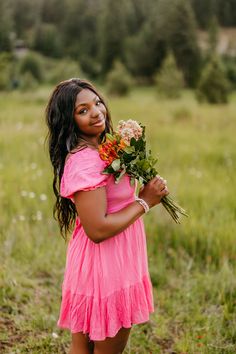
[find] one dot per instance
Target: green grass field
(192, 265)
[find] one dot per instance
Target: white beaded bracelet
(143, 203)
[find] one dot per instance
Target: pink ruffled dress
(106, 285)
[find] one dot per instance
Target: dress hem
(111, 336)
(103, 317)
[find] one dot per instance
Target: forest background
(170, 64)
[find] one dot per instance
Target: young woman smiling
(106, 287)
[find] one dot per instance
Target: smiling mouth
(99, 122)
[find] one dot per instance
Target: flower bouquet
(125, 152)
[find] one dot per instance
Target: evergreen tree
(79, 30)
(112, 31)
(144, 52)
(118, 81)
(47, 40)
(213, 85)
(169, 80)
(5, 26)
(180, 29)
(213, 35)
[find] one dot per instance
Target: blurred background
(171, 65)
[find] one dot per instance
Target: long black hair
(63, 137)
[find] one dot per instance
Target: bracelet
(143, 203)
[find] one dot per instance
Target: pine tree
(118, 81)
(213, 85)
(169, 80)
(181, 32)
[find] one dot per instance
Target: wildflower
(33, 165)
(43, 197)
(23, 193)
(129, 129)
(39, 215)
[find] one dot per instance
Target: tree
(213, 85)
(179, 28)
(213, 34)
(31, 64)
(80, 33)
(6, 25)
(47, 40)
(118, 80)
(112, 31)
(169, 80)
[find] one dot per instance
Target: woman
(106, 286)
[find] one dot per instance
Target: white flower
(39, 215)
(129, 129)
(24, 193)
(43, 197)
(21, 217)
(33, 165)
(31, 194)
(55, 335)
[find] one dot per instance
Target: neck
(92, 142)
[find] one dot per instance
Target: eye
(83, 111)
(98, 102)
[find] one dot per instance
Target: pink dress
(106, 285)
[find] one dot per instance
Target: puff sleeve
(82, 171)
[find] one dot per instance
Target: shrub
(63, 70)
(118, 80)
(5, 71)
(28, 82)
(169, 81)
(31, 63)
(213, 85)
(47, 40)
(230, 69)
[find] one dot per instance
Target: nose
(95, 111)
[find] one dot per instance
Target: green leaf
(140, 180)
(119, 176)
(110, 137)
(132, 181)
(116, 164)
(129, 149)
(133, 142)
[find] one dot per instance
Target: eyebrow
(85, 103)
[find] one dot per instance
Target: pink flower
(129, 129)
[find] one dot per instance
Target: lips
(99, 122)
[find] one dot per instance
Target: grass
(192, 265)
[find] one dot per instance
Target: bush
(230, 69)
(169, 81)
(5, 71)
(118, 80)
(63, 70)
(31, 63)
(28, 82)
(47, 40)
(213, 85)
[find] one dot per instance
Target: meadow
(192, 265)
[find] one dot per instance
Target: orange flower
(122, 145)
(107, 151)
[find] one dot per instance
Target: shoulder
(81, 154)
(83, 159)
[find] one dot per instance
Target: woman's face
(90, 114)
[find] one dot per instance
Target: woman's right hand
(153, 191)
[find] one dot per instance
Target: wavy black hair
(63, 137)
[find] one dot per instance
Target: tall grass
(192, 265)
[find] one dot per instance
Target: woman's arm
(91, 207)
